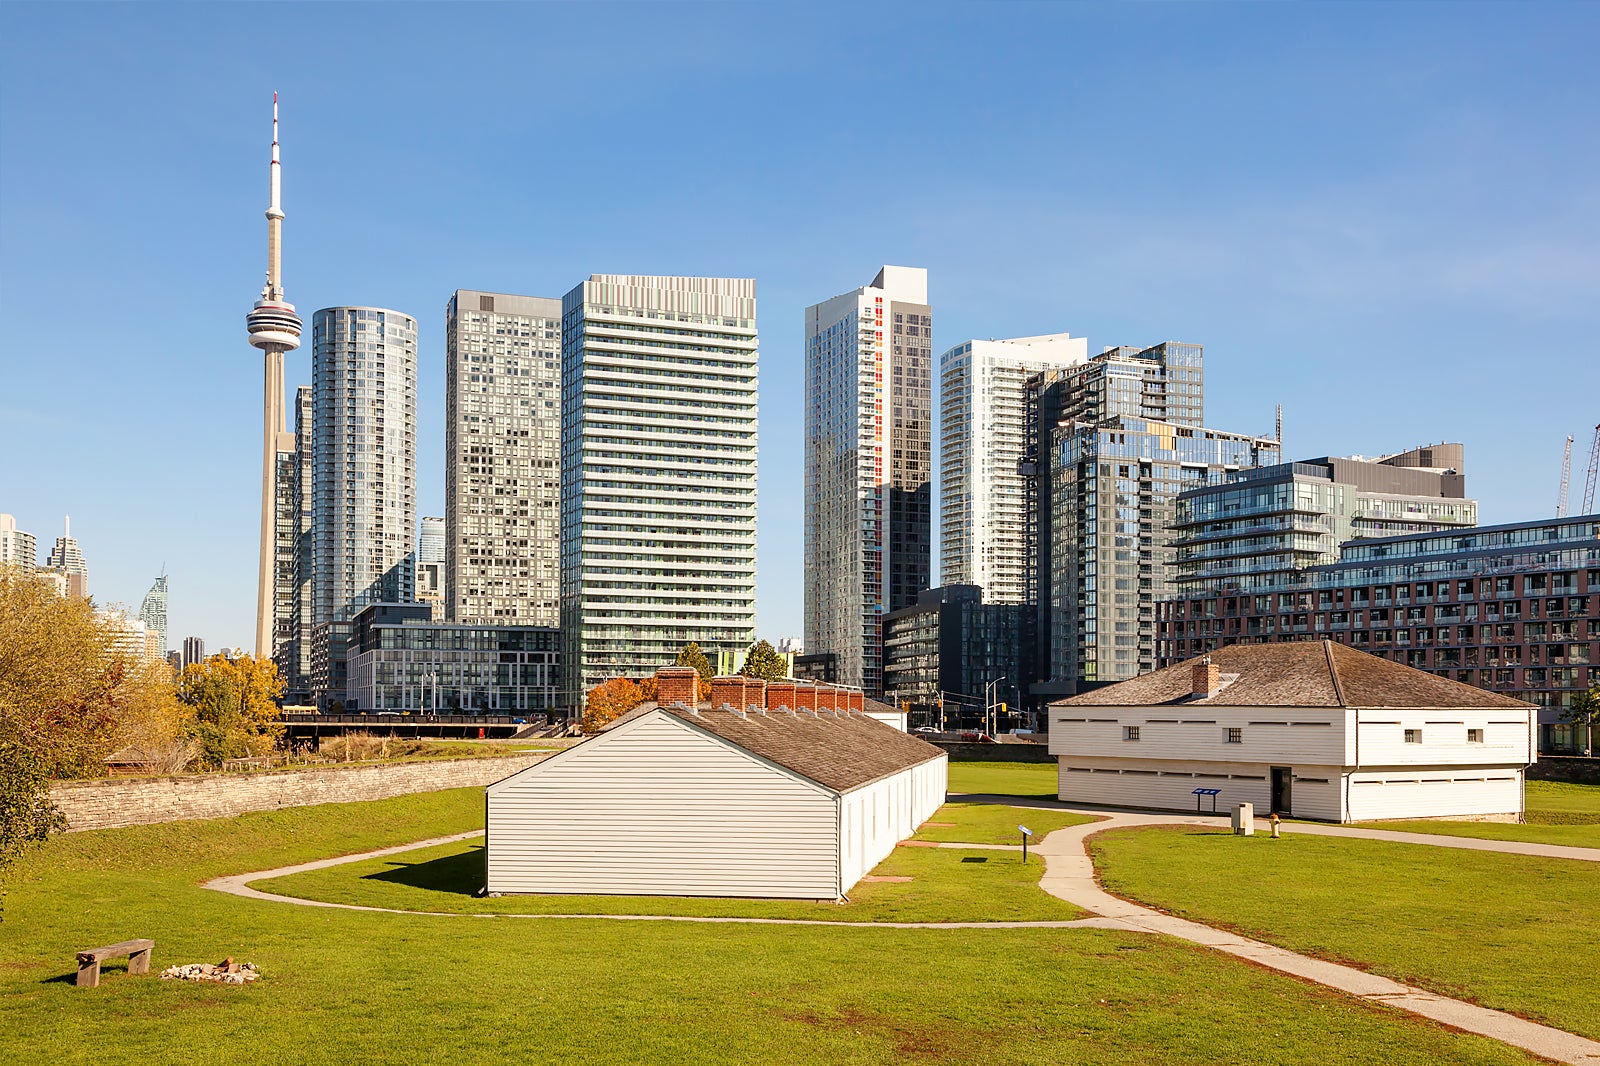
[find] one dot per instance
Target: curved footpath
(1069, 875)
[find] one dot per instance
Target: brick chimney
(805, 696)
(755, 693)
(727, 691)
(827, 697)
(678, 684)
(1205, 678)
(780, 694)
(855, 700)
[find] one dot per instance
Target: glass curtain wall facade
(658, 475)
(364, 488)
(949, 654)
(869, 464)
(1114, 489)
(153, 613)
(1253, 527)
(983, 401)
(502, 458)
(401, 660)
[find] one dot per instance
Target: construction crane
(1594, 469)
(1566, 479)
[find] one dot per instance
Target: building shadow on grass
(461, 874)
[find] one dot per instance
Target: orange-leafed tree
(609, 701)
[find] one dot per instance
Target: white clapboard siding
(656, 807)
(1407, 792)
(1278, 736)
(879, 815)
(1380, 739)
(1166, 786)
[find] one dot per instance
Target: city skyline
(1341, 245)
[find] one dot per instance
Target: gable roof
(1306, 673)
(840, 750)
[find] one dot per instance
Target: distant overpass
(304, 727)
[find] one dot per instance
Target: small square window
(1130, 732)
(1413, 736)
(1236, 736)
(1474, 736)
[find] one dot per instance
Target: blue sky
(1384, 216)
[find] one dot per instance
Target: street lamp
(988, 702)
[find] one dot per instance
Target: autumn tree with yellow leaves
(612, 699)
(232, 707)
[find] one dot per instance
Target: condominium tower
(153, 613)
(502, 459)
(658, 473)
(67, 560)
(17, 548)
(363, 511)
(868, 535)
(983, 408)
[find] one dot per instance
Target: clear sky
(1384, 216)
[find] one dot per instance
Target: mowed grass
(1508, 931)
(1032, 779)
(993, 823)
(1558, 813)
(355, 987)
(947, 885)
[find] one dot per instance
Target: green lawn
(947, 885)
(1004, 778)
(1558, 813)
(992, 823)
(1507, 931)
(350, 987)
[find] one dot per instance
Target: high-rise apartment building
(294, 658)
(430, 540)
(868, 506)
(194, 651)
(502, 459)
(363, 512)
(153, 613)
(658, 473)
(66, 559)
(17, 548)
(983, 412)
(430, 567)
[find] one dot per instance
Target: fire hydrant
(1275, 820)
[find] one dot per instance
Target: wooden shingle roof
(1308, 673)
(838, 750)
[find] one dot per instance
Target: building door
(1281, 799)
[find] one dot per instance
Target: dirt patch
(924, 1041)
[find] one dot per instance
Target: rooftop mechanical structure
(275, 329)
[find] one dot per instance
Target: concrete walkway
(239, 885)
(1070, 876)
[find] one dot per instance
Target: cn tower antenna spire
(275, 329)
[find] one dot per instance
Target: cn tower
(275, 329)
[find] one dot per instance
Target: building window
(1130, 732)
(1413, 736)
(1235, 736)
(1474, 736)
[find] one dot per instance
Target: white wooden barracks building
(1311, 729)
(781, 790)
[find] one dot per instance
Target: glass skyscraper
(658, 473)
(364, 394)
(502, 458)
(153, 613)
(869, 467)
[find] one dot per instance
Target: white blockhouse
(715, 799)
(1311, 729)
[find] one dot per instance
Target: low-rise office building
(952, 656)
(400, 659)
(1310, 729)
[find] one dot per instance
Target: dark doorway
(1281, 800)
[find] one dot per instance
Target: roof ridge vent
(679, 705)
(735, 710)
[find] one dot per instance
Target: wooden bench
(89, 960)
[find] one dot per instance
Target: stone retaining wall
(960, 751)
(1577, 769)
(113, 802)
